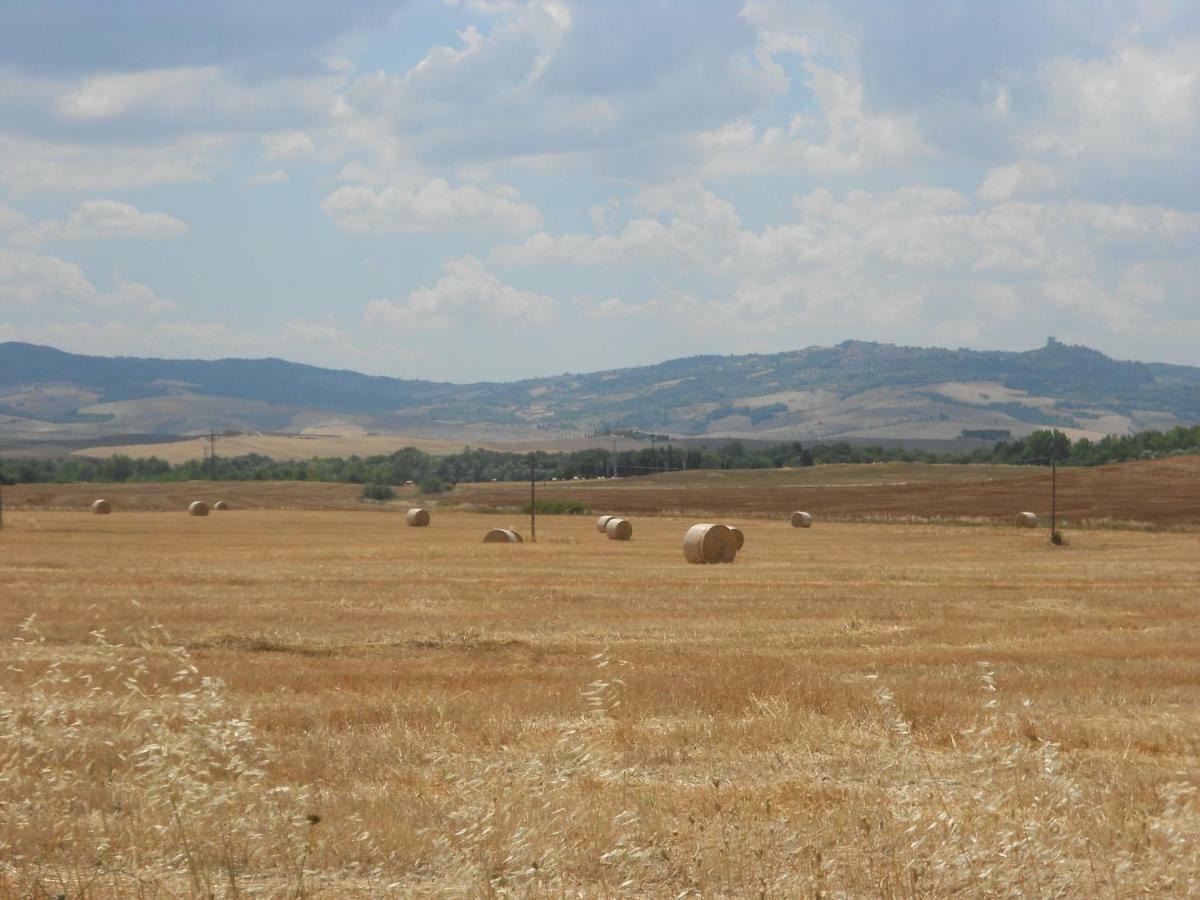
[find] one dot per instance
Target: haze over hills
(855, 391)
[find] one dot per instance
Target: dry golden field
(294, 703)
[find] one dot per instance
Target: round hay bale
(801, 520)
(602, 523)
(1027, 520)
(197, 508)
(709, 544)
(221, 505)
(101, 507)
(618, 529)
(417, 517)
(738, 537)
(502, 536)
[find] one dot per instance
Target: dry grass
(351, 707)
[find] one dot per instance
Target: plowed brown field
(1163, 492)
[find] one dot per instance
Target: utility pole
(1053, 500)
(532, 499)
(212, 455)
(614, 458)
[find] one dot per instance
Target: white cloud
(198, 99)
(101, 219)
(28, 165)
(572, 85)
(431, 206)
(1137, 104)
(465, 285)
(27, 277)
(275, 176)
(686, 224)
(10, 218)
(843, 138)
(1022, 179)
(288, 145)
(915, 228)
(33, 279)
(905, 264)
(612, 308)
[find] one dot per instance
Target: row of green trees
(434, 473)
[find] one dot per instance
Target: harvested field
(1164, 493)
(128, 497)
(871, 710)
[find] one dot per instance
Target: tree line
(437, 473)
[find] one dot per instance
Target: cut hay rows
(101, 507)
(197, 508)
(602, 523)
(1027, 520)
(802, 520)
(706, 543)
(502, 536)
(417, 517)
(618, 529)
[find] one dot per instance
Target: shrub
(433, 485)
(377, 492)
(559, 508)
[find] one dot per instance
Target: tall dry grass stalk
(134, 777)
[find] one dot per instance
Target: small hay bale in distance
(602, 523)
(618, 529)
(197, 508)
(417, 517)
(1027, 520)
(738, 537)
(706, 543)
(801, 520)
(502, 536)
(101, 507)
(221, 505)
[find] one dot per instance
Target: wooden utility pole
(212, 455)
(532, 499)
(1053, 500)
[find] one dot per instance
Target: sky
(492, 189)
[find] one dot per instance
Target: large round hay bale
(709, 544)
(602, 523)
(101, 507)
(1027, 520)
(738, 537)
(801, 520)
(502, 536)
(417, 517)
(197, 508)
(618, 529)
(221, 505)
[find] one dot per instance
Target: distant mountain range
(854, 391)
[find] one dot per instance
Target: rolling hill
(853, 391)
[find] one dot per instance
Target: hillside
(855, 391)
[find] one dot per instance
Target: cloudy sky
(491, 189)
